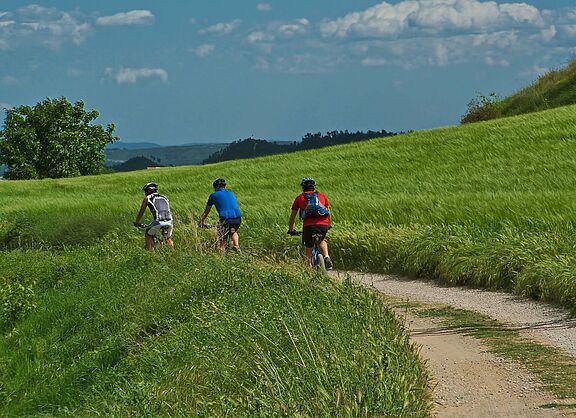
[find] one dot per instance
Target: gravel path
(467, 379)
(543, 321)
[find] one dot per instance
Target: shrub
(482, 107)
(17, 299)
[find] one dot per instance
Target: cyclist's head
(219, 183)
(150, 188)
(308, 184)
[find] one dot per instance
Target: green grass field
(489, 205)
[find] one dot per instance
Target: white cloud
(496, 62)
(413, 33)
(259, 36)
(374, 62)
(204, 50)
(289, 30)
(276, 31)
(264, 7)
(133, 75)
(223, 28)
(428, 17)
(569, 30)
(41, 25)
(546, 35)
(9, 80)
(134, 17)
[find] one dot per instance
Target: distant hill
(132, 145)
(136, 163)
(250, 147)
(554, 89)
(169, 156)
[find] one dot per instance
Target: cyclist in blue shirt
(228, 211)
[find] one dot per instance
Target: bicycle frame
(159, 239)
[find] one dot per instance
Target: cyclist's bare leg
(308, 252)
(170, 242)
(149, 242)
(223, 244)
(324, 248)
(235, 239)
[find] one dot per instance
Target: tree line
(250, 147)
(56, 138)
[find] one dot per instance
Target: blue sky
(221, 70)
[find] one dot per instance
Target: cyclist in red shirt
(316, 222)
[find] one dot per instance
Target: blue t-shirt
(226, 204)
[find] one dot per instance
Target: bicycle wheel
(319, 263)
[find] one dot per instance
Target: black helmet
(150, 187)
(218, 183)
(308, 183)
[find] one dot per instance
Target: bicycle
(318, 263)
(216, 244)
(159, 239)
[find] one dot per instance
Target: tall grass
(119, 332)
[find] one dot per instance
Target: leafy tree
(53, 139)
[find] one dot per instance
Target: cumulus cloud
(41, 25)
(412, 33)
(259, 36)
(264, 7)
(134, 17)
(428, 17)
(204, 50)
(223, 28)
(279, 31)
(133, 75)
(289, 30)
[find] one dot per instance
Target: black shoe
(328, 263)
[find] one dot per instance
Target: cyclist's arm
(143, 207)
(292, 219)
(204, 215)
(327, 204)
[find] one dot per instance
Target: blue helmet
(308, 183)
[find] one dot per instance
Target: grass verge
(120, 332)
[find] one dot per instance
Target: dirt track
(469, 381)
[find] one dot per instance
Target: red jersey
(300, 204)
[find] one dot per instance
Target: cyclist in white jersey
(160, 208)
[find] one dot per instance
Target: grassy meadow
(489, 204)
(93, 325)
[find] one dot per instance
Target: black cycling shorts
(308, 231)
(228, 226)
